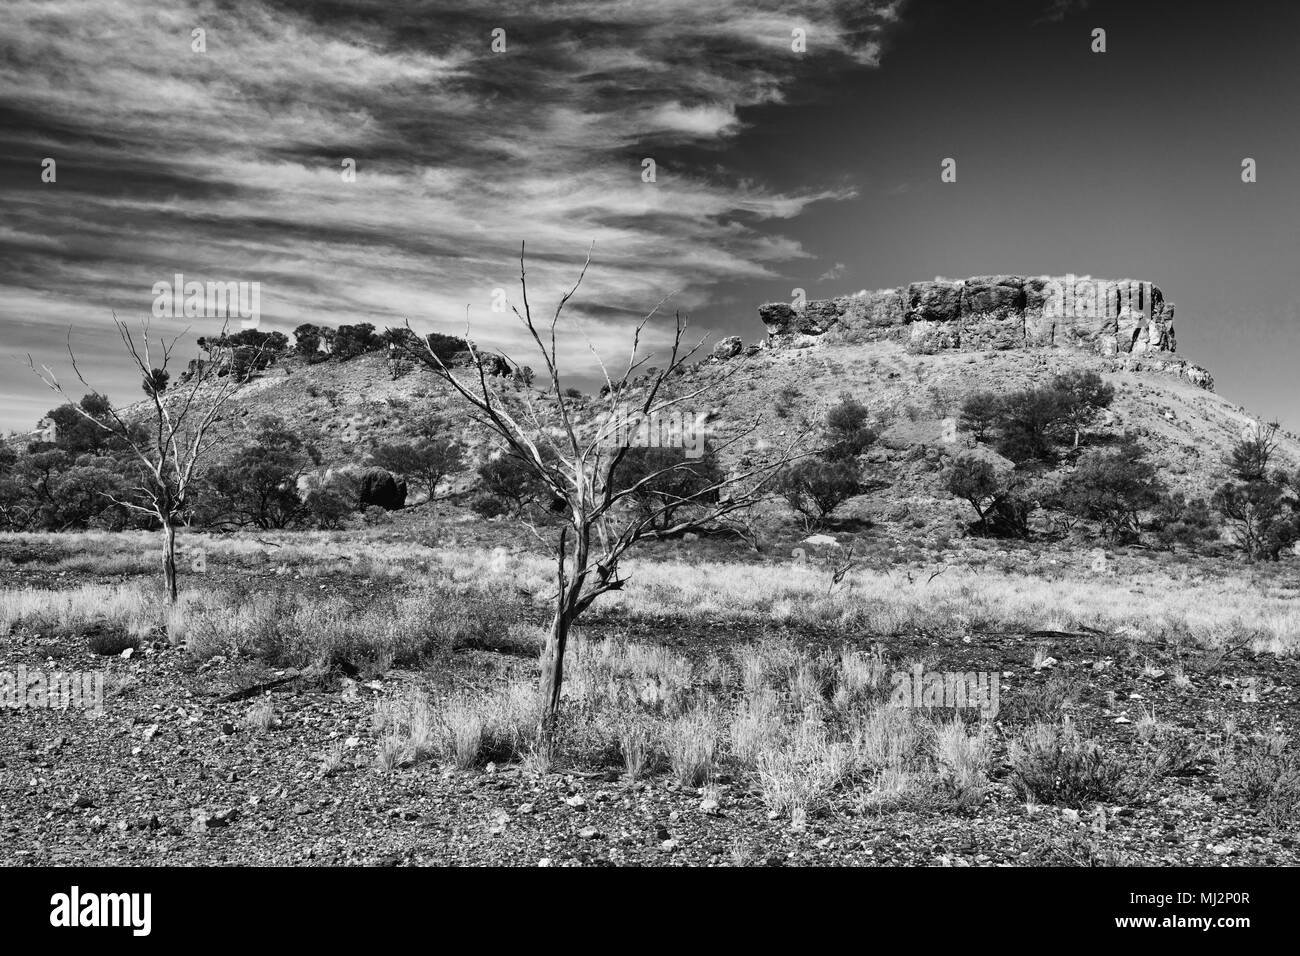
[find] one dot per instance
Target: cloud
(834, 272)
(226, 165)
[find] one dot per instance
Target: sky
(473, 127)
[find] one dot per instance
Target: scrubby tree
(353, 340)
(257, 486)
(582, 466)
(169, 439)
(1028, 421)
(1250, 457)
(1000, 505)
(1083, 396)
(426, 461)
(508, 478)
(675, 486)
(1261, 516)
(979, 412)
(1113, 486)
(1188, 522)
(847, 432)
(307, 340)
(815, 487)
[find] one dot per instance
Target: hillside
(786, 384)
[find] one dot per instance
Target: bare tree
(170, 434)
(577, 450)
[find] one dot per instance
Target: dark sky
(775, 170)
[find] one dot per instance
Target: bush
(1261, 516)
(814, 488)
(979, 412)
(307, 340)
(107, 641)
(659, 501)
(509, 479)
(487, 506)
(1052, 764)
(1114, 487)
(426, 461)
(354, 340)
(1179, 521)
(1083, 395)
(999, 505)
(1249, 458)
(1028, 421)
(847, 432)
(1266, 775)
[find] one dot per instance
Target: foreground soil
(171, 773)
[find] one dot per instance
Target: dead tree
(577, 454)
(170, 434)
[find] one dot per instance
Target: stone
(993, 295)
(378, 487)
(938, 301)
(729, 347)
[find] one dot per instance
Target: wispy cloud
(834, 272)
(227, 164)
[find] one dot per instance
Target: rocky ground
(173, 772)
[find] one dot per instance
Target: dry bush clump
(1052, 763)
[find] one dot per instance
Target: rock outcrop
(378, 487)
(1108, 317)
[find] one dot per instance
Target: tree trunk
(169, 560)
(552, 679)
(568, 593)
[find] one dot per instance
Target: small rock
(576, 802)
(525, 808)
(82, 803)
(709, 806)
(589, 833)
(126, 654)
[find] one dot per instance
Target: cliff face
(991, 312)
(1107, 317)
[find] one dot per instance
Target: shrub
(1001, 509)
(847, 432)
(660, 500)
(107, 641)
(1261, 516)
(488, 506)
(1188, 523)
(1053, 764)
(307, 340)
(426, 461)
(979, 412)
(1028, 421)
(354, 340)
(815, 488)
(1249, 458)
(508, 479)
(1114, 487)
(1266, 775)
(1083, 395)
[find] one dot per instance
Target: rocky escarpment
(1103, 316)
